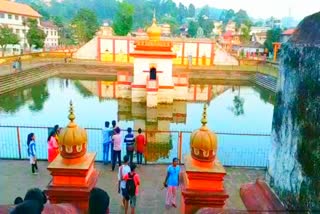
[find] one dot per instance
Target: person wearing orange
(53, 150)
(141, 143)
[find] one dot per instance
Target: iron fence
(234, 149)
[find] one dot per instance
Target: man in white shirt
(123, 170)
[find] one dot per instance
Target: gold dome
(72, 139)
(203, 142)
(154, 31)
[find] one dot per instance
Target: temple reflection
(154, 121)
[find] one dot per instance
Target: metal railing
(234, 149)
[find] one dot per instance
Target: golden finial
(204, 115)
(71, 115)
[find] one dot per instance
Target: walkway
(16, 179)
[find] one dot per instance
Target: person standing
(114, 126)
(106, 137)
(171, 183)
(141, 143)
(116, 148)
(124, 170)
(53, 146)
(132, 186)
(129, 141)
(32, 152)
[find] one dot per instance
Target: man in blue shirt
(106, 135)
(129, 141)
(172, 182)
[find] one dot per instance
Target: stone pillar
(203, 186)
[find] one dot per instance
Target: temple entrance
(153, 73)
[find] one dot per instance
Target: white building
(51, 30)
(15, 16)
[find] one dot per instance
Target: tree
(7, 37)
(245, 30)
(204, 22)
(124, 19)
(35, 35)
(192, 28)
(182, 12)
(226, 16)
(191, 10)
(273, 35)
(85, 25)
(241, 17)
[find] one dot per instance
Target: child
(141, 143)
(132, 186)
(32, 153)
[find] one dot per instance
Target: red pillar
(197, 57)
(128, 50)
(113, 50)
(212, 54)
(99, 88)
(183, 49)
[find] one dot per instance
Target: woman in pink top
(132, 191)
(53, 150)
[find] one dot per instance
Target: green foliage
(182, 13)
(205, 22)
(227, 16)
(273, 35)
(35, 35)
(245, 36)
(7, 37)
(40, 9)
(124, 19)
(191, 10)
(241, 17)
(192, 29)
(85, 25)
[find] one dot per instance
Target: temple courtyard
(16, 178)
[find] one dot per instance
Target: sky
(263, 8)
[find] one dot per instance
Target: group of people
(53, 148)
(17, 65)
(128, 178)
(35, 201)
(112, 142)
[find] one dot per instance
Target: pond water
(239, 114)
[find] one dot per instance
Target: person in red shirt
(141, 143)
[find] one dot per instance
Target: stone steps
(265, 81)
(13, 81)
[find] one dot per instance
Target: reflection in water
(103, 99)
(238, 102)
(39, 94)
(35, 96)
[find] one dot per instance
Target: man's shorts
(125, 194)
(133, 201)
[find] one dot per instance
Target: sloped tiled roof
(18, 8)
(48, 24)
(289, 31)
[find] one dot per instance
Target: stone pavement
(16, 178)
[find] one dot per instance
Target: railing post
(19, 144)
(180, 146)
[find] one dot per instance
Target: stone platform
(16, 178)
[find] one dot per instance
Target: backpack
(130, 185)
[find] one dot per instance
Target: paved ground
(16, 179)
